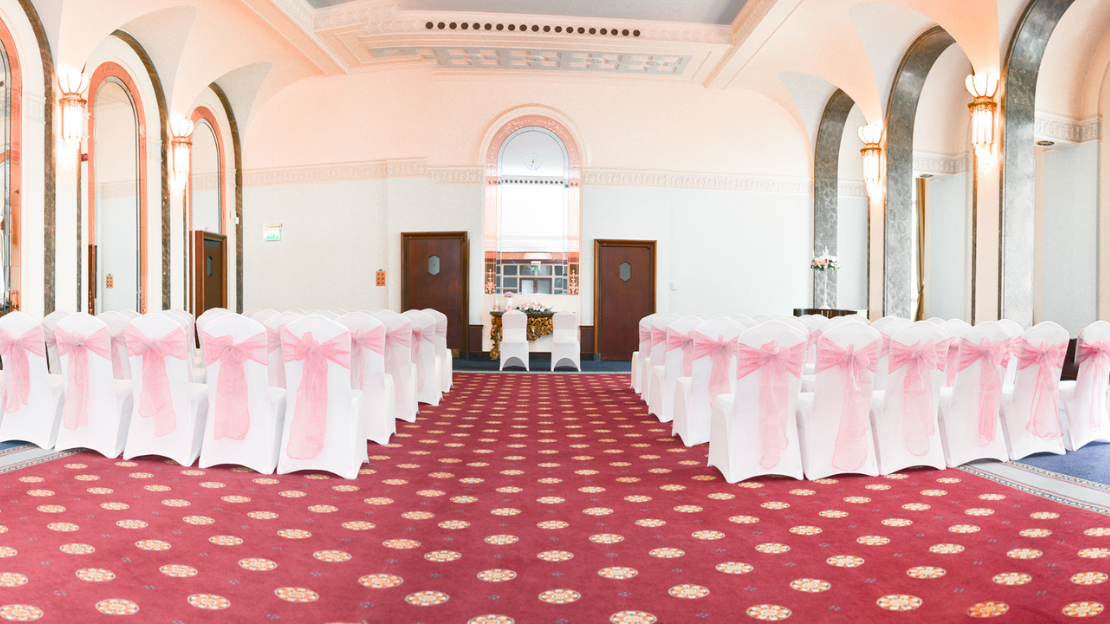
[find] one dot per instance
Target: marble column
(900, 117)
(826, 161)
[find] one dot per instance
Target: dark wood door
(435, 266)
(624, 293)
(209, 271)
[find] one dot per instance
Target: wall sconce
(872, 137)
(181, 131)
(983, 88)
(72, 85)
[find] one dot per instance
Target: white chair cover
(424, 356)
(183, 318)
(1030, 408)
(117, 326)
(816, 324)
(328, 314)
(956, 329)
(566, 349)
(641, 353)
(935, 319)
(1016, 331)
(338, 312)
(969, 421)
(202, 321)
(245, 414)
(262, 315)
(443, 354)
(297, 311)
(693, 398)
(399, 364)
(169, 411)
(1085, 415)
(324, 428)
(514, 339)
(48, 325)
(880, 323)
(657, 354)
(131, 314)
(97, 408)
(31, 397)
(275, 361)
(834, 426)
(754, 430)
(251, 312)
(904, 416)
(677, 361)
(888, 329)
(368, 374)
(761, 318)
(746, 321)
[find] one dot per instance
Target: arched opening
(206, 236)
(117, 192)
(11, 86)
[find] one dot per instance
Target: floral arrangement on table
(825, 262)
(533, 307)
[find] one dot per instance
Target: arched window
(533, 213)
(10, 178)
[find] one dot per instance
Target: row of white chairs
(566, 347)
(814, 397)
(340, 391)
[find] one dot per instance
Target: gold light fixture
(872, 137)
(181, 131)
(72, 85)
(983, 88)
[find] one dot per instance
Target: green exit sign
(271, 233)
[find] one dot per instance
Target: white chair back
(744, 320)
(209, 313)
(712, 372)
(25, 381)
(564, 326)
(659, 326)
(1031, 406)
(297, 311)
(131, 314)
(185, 319)
(48, 325)
(338, 312)
(251, 312)
(441, 331)
(972, 425)
(398, 362)
(514, 326)
(275, 360)
(424, 352)
(837, 433)
(367, 346)
(1086, 410)
(117, 326)
(328, 314)
(887, 329)
(935, 319)
(262, 315)
(906, 424)
(236, 355)
(645, 336)
(1016, 331)
(93, 417)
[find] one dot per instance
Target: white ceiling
(720, 12)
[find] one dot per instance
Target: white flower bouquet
(534, 308)
(825, 262)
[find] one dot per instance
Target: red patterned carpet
(534, 499)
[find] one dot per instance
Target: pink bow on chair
(658, 336)
(306, 432)
(119, 354)
(850, 451)
(233, 419)
(1099, 351)
(17, 389)
(419, 334)
(365, 340)
(441, 329)
(951, 362)
(918, 411)
(1044, 422)
(720, 352)
(76, 410)
(645, 336)
(685, 342)
(885, 351)
(155, 400)
(990, 354)
(775, 364)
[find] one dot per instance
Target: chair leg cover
(959, 435)
(816, 437)
(447, 371)
(345, 448)
(38, 421)
(107, 430)
(183, 443)
(566, 354)
(258, 450)
(655, 395)
(514, 354)
(377, 406)
(634, 376)
(692, 431)
(1020, 442)
(890, 450)
(734, 445)
(645, 378)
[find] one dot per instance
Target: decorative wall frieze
(531, 58)
(851, 188)
(116, 190)
(415, 167)
(301, 11)
(361, 13)
(941, 164)
(1061, 128)
(34, 107)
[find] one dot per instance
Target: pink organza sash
(309, 425)
(363, 340)
(419, 335)
(951, 362)
(273, 338)
(886, 347)
(918, 411)
(119, 354)
(685, 342)
(76, 410)
(441, 329)
(17, 370)
(658, 336)
(1099, 351)
(989, 353)
(775, 364)
(645, 339)
(1044, 421)
(720, 352)
(233, 418)
(850, 450)
(155, 401)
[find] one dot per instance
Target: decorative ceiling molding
(519, 58)
(753, 12)
(941, 164)
(1069, 129)
(417, 167)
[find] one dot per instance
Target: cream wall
(1070, 236)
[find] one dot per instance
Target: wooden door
(209, 271)
(624, 293)
(435, 266)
